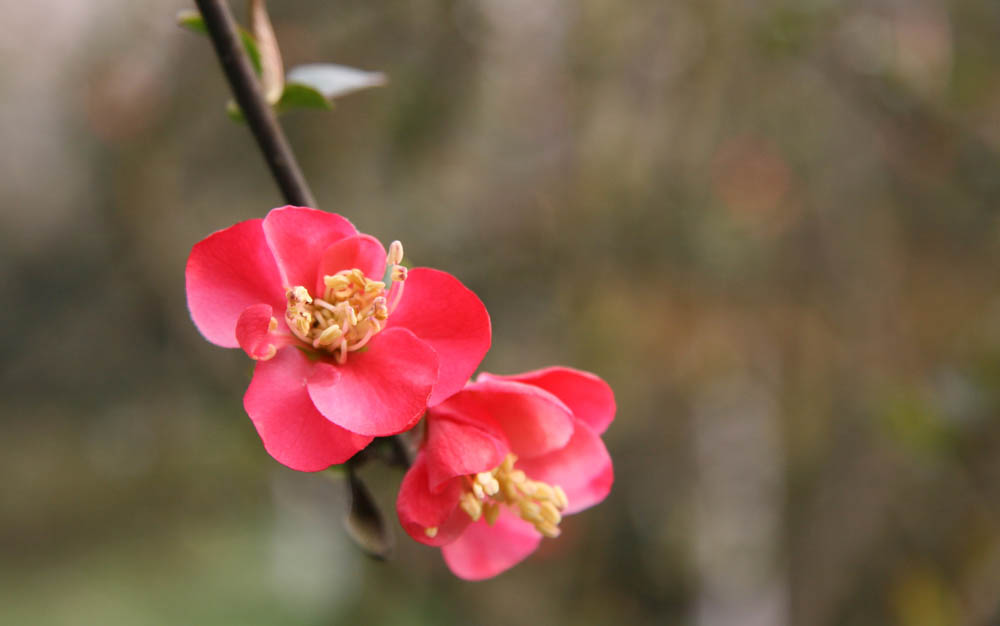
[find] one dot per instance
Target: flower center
(352, 310)
(534, 501)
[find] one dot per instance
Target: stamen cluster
(353, 309)
(536, 502)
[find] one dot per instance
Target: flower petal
(459, 449)
(380, 391)
(483, 551)
(227, 272)
(534, 421)
(587, 395)
(293, 431)
(298, 236)
(363, 252)
(420, 508)
(582, 468)
(447, 315)
(253, 331)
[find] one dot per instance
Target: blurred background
(773, 227)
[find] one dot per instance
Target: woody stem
(224, 33)
(260, 117)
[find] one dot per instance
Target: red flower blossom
(502, 461)
(343, 356)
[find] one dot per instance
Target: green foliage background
(773, 227)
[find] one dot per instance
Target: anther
(510, 491)
(395, 255)
(330, 336)
(431, 531)
(561, 501)
(530, 511)
(489, 483)
(337, 281)
(508, 463)
(352, 315)
(542, 491)
(380, 309)
(550, 513)
(357, 278)
(491, 511)
(535, 502)
(549, 530)
(352, 310)
(471, 505)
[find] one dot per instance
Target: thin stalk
(260, 117)
(222, 30)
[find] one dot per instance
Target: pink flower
(502, 461)
(342, 356)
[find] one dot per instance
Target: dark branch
(246, 88)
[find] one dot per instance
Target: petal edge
(452, 319)
(293, 431)
(227, 272)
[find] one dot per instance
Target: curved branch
(260, 117)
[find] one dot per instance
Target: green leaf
(234, 112)
(293, 96)
(251, 47)
(191, 19)
(334, 81)
(299, 96)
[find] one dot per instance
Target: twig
(246, 89)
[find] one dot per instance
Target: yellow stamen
(533, 501)
(561, 500)
(530, 511)
(395, 255)
(550, 513)
(490, 484)
(351, 310)
(431, 531)
(328, 337)
(326, 305)
(491, 511)
(471, 505)
(379, 308)
(549, 530)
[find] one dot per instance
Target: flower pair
(350, 345)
